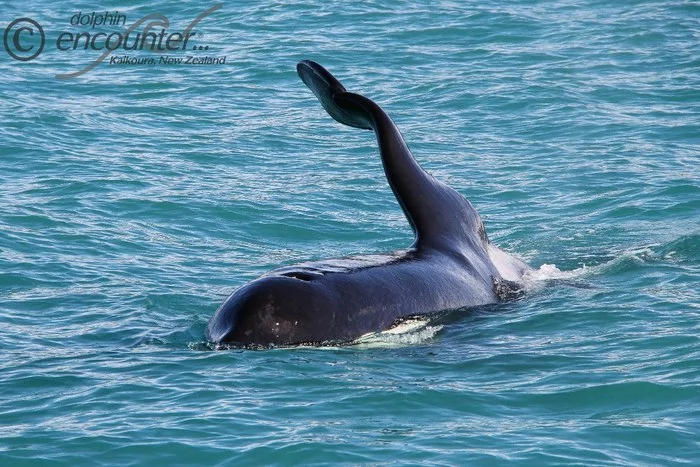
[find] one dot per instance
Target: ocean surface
(135, 198)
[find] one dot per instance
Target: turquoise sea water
(134, 199)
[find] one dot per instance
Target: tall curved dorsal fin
(438, 214)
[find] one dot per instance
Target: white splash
(551, 271)
(536, 279)
(409, 332)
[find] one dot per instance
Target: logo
(148, 41)
(24, 39)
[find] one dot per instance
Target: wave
(683, 250)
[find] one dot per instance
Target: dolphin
(450, 265)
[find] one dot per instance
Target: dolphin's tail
(430, 206)
(331, 93)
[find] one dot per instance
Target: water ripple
(135, 200)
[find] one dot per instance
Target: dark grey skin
(450, 265)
